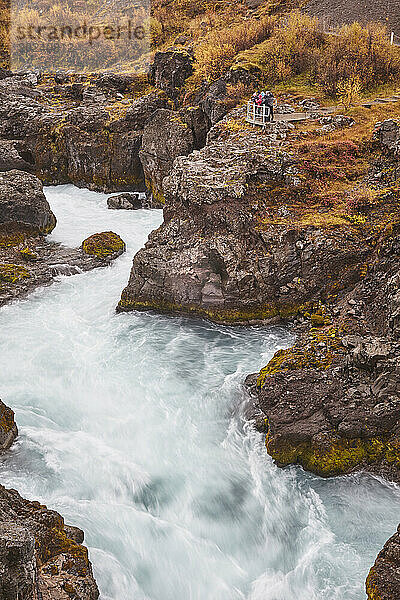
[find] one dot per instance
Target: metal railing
(258, 115)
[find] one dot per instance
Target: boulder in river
(126, 201)
(107, 245)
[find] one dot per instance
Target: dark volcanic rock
(170, 70)
(8, 427)
(388, 135)
(212, 101)
(22, 201)
(86, 138)
(125, 201)
(333, 400)
(37, 558)
(17, 562)
(165, 137)
(383, 582)
(14, 155)
(74, 533)
(212, 257)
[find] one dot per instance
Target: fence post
(392, 38)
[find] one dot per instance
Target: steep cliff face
(332, 402)
(167, 135)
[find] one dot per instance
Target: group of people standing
(265, 99)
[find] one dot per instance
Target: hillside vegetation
(263, 43)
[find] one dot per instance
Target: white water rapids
(131, 427)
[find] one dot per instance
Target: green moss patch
(338, 457)
(103, 245)
(12, 273)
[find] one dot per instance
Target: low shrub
(216, 53)
(344, 63)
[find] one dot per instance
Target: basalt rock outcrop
(22, 202)
(383, 581)
(89, 131)
(90, 148)
(38, 559)
(82, 132)
(331, 403)
(170, 70)
(167, 135)
(217, 254)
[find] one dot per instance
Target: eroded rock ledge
(27, 259)
(332, 402)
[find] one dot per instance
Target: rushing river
(131, 427)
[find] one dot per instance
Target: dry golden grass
(215, 54)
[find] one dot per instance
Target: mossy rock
(29, 254)
(12, 273)
(104, 245)
(338, 456)
(317, 320)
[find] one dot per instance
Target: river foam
(131, 426)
